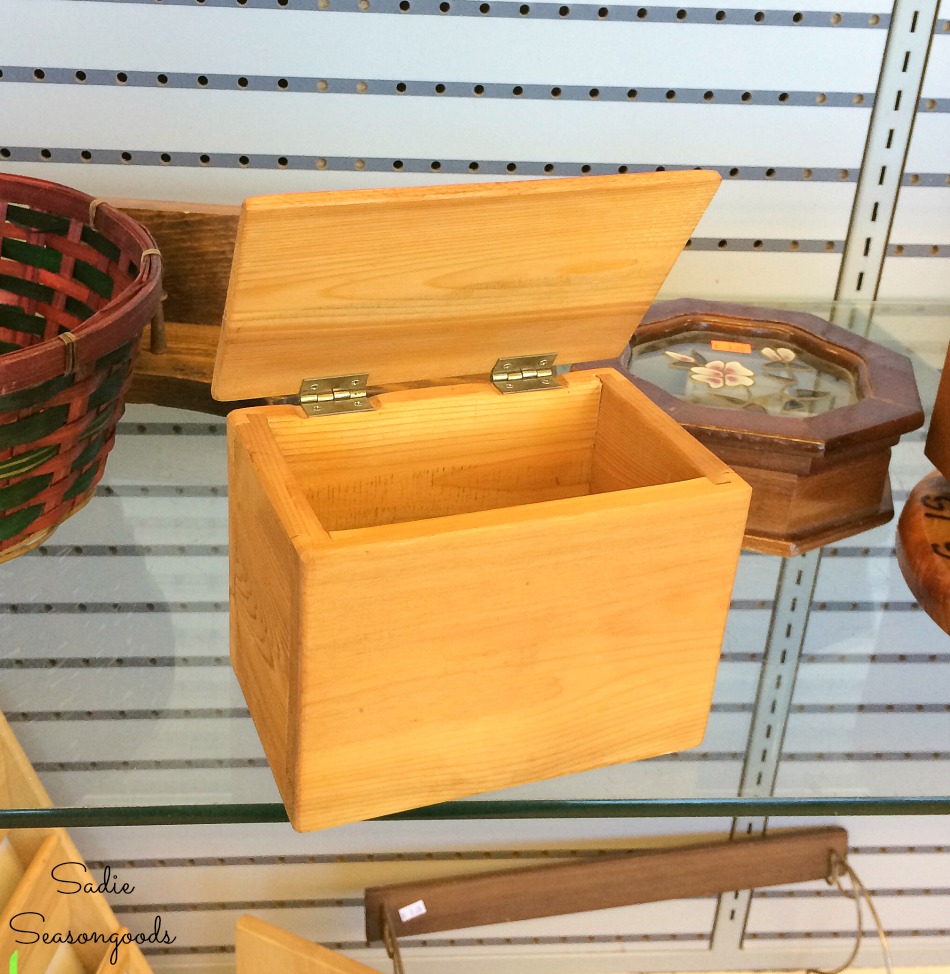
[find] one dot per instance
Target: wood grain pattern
(645, 876)
(428, 282)
(263, 948)
(129, 960)
(180, 377)
(19, 785)
(265, 594)
(38, 894)
(197, 245)
(27, 857)
(469, 612)
(923, 546)
(938, 436)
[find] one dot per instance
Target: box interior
(472, 449)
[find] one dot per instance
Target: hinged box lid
(429, 282)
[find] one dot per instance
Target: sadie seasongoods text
(71, 878)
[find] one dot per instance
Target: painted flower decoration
(679, 357)
(783, 355)
(718, 374)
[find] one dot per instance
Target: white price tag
(412, 910)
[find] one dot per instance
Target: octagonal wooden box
(453, 590)
(815, 478)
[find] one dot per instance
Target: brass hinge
(524, 373)
(334, 394)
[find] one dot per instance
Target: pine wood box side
(483, 590)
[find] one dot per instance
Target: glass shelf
(116, 681)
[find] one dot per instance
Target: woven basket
(78, 283)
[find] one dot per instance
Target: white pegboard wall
(215, 101)
(218, 100)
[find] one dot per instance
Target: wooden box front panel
(491, 590)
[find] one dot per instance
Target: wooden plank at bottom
(646, 876)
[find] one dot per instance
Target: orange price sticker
(717, 345)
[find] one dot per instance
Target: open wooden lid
(436, 281)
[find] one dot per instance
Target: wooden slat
(19, 785)
(129, 959)
(265, 949)
(45, 909)
(197, 243)
(647, 876)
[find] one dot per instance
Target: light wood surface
(923, 546)
(38, 894)
(129, 960)
(460, 591)
(644, 876)
(27, 857)
(263, 948)
(428, 282)
(19, 785)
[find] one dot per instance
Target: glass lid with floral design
(804, 410)
(756, 373)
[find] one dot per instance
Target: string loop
(838, 868)
(391, 942)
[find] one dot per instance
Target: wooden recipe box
(450, 590)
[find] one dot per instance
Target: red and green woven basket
(79, 280)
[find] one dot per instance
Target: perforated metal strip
(452, 89)
(885, 154)
(773, 703)
(554, 11)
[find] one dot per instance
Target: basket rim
(119, 321)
